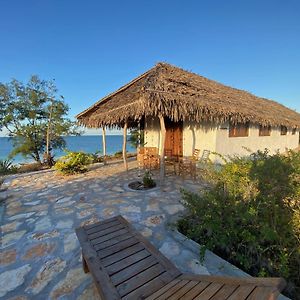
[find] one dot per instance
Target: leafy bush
(251, 215)
(7, 167)
(148, 181)
(118, 154)
(96, 157)
(73, 162)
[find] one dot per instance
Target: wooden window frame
(264, 130)
(283, 130)
(239, 130)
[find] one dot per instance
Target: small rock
(11, 238)
(146, 232)
(130, 209)
(8, 257)
(64, 210)
(197, 267)
(85, 213)
(10, 226)
(89, 293)
(39, 250)
(46, 274)
(42, 236)
(43, 224)
(21, 216)
(66, 286)
(32, 203)
(173, 209)
(65, 224)
(70, 242)
(154, 220)
(169, 249)
(9, 280)
(63, 200)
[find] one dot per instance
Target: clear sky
(93, 47)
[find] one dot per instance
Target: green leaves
(33, 113)
(251, 214)
(73, 163)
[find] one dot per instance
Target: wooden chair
(187, 165)
(171, 161)
(126, 266)
(148, 157)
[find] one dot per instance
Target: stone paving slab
(40, 254)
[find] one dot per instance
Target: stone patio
(40, 255)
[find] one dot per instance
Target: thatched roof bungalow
(208, 114)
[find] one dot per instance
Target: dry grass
(183, 95)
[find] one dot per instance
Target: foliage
(118, 154)
(251, 215)
(31, 167)
(73, 163)
(96, 157)
(7, 167)
(136, 137)
(148, 181)
(32, 113)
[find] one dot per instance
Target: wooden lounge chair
(127, 266)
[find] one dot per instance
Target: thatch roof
(182, 95)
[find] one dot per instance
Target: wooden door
(174, 136)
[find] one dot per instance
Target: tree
(136, 137)
(35, 117)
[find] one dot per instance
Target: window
(283, 130)
(238, 130)
(264, 130)
(294, 130)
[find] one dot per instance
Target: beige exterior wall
(236, 145)
(207, 136)
(152, 132)
(198, 136)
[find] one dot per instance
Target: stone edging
(128, 189)
(221, 264)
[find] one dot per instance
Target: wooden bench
(127, 266)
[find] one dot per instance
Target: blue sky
(93, 47)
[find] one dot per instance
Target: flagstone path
(40, 256)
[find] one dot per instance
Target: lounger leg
(84, 265)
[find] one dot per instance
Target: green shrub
(96, 157)
(251, 215)
(73, 162)
(148, 181)
(118, 154)
(7, 167)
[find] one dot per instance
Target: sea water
(85, 143)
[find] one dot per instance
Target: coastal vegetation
(35, 117)
(74, 163)
(250, 215)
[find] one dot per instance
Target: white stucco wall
(198, 136)
(152, 132)
(236, 145)
(207, 136)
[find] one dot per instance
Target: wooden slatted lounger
(127, 266)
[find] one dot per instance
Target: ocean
(86, 143)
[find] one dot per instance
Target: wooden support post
(162, 147)
(104, 144)
(124, 146)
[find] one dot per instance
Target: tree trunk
(162, 147)
(104, 144)
(124, 146)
